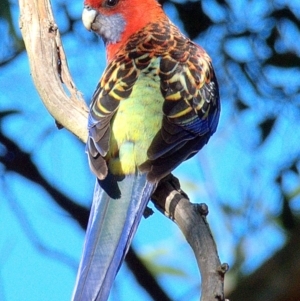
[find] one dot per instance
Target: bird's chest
(135, 124)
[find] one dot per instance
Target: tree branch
(191, 219)
(51, 76)
(49, 67)
(16, 160)
(144, 277)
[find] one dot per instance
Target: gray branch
(191, 219)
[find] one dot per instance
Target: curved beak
(88, 17)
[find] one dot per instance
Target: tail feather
(112, 225)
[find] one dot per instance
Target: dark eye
(111, 2)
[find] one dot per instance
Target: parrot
(156, 105)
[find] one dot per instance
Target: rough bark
(49, 67)
(191, 219)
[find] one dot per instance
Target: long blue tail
(113, 221)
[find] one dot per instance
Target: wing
(116, 84)
(191, 107)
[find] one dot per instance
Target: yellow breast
(135, 124)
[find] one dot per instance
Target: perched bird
(156, 105)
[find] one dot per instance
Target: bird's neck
(135, 21)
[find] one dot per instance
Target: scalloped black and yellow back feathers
(166, 86)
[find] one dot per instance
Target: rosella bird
(156, 105)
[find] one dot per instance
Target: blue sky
(40, 246)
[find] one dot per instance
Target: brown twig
(191, 219)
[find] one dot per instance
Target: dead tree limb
(49, 67)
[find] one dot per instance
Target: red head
(116, 20)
